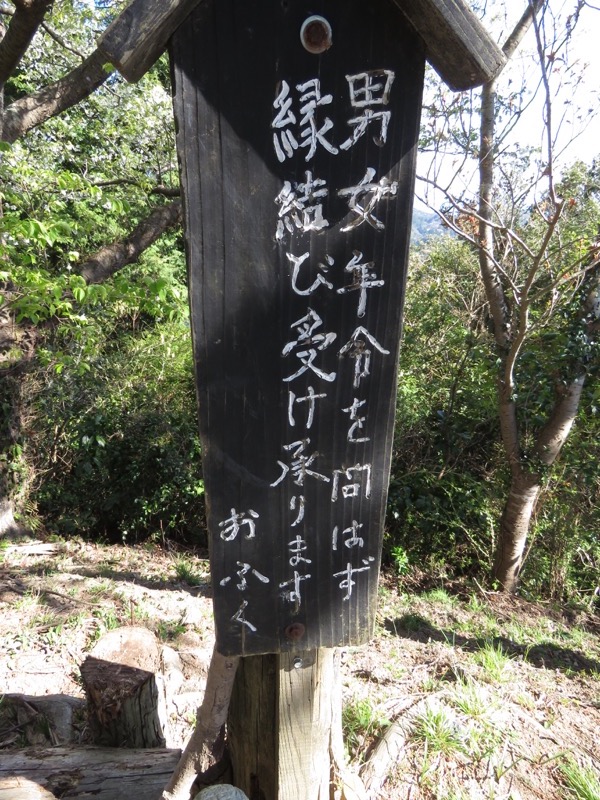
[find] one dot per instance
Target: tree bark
(113, 257)
(514, 529)
(206, 746)
(27, 18)
(29, 112)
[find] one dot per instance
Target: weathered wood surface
(293, 703)
(22, 789)
(139, 35)
(291, 338)
(84, 772)
(458, 46)
(125, 689)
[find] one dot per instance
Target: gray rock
(222, 791)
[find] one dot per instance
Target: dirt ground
(494, 694)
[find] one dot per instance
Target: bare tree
(525, 276)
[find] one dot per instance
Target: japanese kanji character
(367, 90)
(354, 487)
(362, 279)
(311, 135)
(300, 206)
(284, 141)
(358, 348)
(364, 197)
(299, 464)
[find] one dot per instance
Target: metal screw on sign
(315, 35)
(297, 663)
(295, 631)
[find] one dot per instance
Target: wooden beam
(282, 717)
(139, 35)
(78, 773)
(458, 46)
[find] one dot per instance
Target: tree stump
(125, 689)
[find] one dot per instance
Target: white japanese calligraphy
(366, 90)
(297, 547)
(357, 348)
(364, 197)
(362, 279)
(358, 482)
(240, 616)
(241, 573)
(294, 595)
(300, 206)
(311, 135)
(284, 141)
(233, 524)
(347, 583)
(358, 422)
(353, 541)
(310, 399)
(297, 261)
(299, 465)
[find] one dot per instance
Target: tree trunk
(514, 529)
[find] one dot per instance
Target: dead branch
(206, 745)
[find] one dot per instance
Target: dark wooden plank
(138, 36)
(458, 46)
(297, 381)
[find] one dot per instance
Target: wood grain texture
(296, 504)
(139, 35)
(458, 46)
(282, 716)
(99, 772)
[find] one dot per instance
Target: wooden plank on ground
(103, 773)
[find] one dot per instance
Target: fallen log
(79, 773)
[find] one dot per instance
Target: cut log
(84, 772)
(125, 690)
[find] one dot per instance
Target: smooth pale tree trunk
(514, 529)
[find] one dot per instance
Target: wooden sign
(297, 134)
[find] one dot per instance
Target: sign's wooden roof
(458, 46)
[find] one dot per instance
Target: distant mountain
(424, 225)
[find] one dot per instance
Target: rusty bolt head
(295, 631)
(315, 35)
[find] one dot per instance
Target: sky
(575, 82)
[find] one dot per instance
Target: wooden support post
(284, 725)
